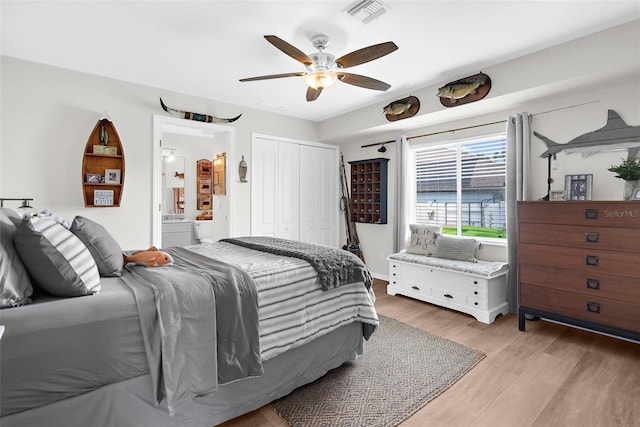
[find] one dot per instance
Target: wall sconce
(242, 170)
(24, 207)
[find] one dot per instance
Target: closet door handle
(591, 260)
(448, 296)
(591, 237)
(415, 288)
(591, 214)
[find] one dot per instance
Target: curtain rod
(391, 141)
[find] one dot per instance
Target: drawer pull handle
(593, 307)
(591, 214)
(591, 237)
(415, 288)
(476, 303)
(448, 296)
(592, 260)
(475, 282)
(475, 292)
(593, 284)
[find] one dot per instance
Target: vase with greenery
(629, 171)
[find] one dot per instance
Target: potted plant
(629, 171)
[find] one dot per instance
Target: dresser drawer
(592, 261)
(582, 307)
(589, 237)
(598, 284)
(589, 213)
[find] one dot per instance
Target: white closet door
(318, 195)
(264, 204)
(288, 194)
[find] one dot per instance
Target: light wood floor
(550, 375)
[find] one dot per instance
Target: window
(461, 186)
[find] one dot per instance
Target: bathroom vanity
(177, 233)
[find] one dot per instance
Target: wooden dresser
(579, 263)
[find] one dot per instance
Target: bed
(159, 346)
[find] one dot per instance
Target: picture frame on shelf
(636, 194)
(558, 195)
(112, 176)
(93, 178)
(578, 187)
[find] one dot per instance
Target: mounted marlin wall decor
(196, 116)
(616, 134)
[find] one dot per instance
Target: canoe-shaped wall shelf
(103, 167)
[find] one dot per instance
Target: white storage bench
(476, 288)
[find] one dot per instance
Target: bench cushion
(486, 269)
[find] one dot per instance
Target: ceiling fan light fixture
(320, 79)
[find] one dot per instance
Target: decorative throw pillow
(55, 258)
(105, 251)
(423, 239)
(15, 285)
(453, 247)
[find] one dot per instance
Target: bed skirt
(130, 403)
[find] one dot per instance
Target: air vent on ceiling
(367, 10)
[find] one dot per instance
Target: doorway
(199, 133)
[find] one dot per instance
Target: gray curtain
(401, 224)
(518, 188)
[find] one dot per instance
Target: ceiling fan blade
(366, 54)
(362, 81)
(290, 50)
(313, 94)
(273, 76)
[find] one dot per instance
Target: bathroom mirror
(173, 197)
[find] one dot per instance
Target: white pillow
(423, 239)
(55, 258)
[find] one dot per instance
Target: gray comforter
(335, 267)
(204, 328)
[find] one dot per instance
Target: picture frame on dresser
(578, 187)
(636, 194)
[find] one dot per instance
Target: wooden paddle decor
(463, 91)
(402, 108)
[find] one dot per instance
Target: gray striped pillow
(55, 258)
(453, 247)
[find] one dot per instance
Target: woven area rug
(402, 368)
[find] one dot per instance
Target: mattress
(56, 348)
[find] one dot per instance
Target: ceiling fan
(323, 70)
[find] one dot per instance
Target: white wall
(48, 114)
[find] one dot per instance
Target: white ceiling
(202, 48)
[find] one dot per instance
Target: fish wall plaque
(402, 108)
(463, 91)
(196, 116)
